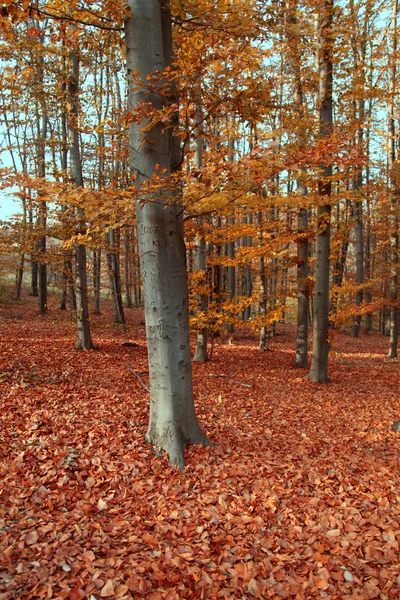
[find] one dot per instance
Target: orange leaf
(107, 589)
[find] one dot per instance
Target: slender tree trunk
(173, 423)
(41, 173)
(71, 285)
(97, 280)
(319, 364)
(20, 275)
(301, 359)
(201, 354)
(262, 309)
(394, 190)
(248, 276)
(127, 267)
(82, 299)
(231, 276)
(115, 278)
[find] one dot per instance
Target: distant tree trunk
(71, 285)
(20, 275)
(173, 423)
(63, 295)
(319, 364)
(248, 277)
(262, 309)
(20, 267)
(231, 275)
(96, 280)
(301, 359)
(359, 248)
(82, 299)
(115, 278)
(201, 354)
(127, 268)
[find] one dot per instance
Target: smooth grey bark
(41, 124)
(127, 267)
(301, 356)
(84, 341)
(21, 261)
(394, 190)
(319, 365)
(173, 423)
(201, 354)
(358, 180)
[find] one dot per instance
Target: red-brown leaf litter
(298, 498)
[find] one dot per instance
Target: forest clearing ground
(298, 498)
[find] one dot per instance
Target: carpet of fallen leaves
(298, 498)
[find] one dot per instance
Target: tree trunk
(248, 276)
(82, 299)
(71, 286)
(394, 191)
(115, 278)
(262, 309)
(201, 354)
(173, 423)
(20, 275)
(127, 268)
(319, 364)
(96, 280)
(301, 359)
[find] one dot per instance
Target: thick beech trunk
(319, 364)
(173, 423)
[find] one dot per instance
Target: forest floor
(298, 498)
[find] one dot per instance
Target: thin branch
(63, 17)
(138, 376)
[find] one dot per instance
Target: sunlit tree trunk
(319, 364)
(173, 423)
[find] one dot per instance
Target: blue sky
(8, 205)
